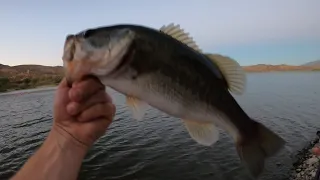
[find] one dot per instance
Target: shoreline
(306, 165)
(33, 89)
(273, 71)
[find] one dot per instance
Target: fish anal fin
(202, 132)
(176, 32)
(232, 71)
(137, 106)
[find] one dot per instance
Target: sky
(249, 31)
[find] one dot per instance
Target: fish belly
(160, 101)
(197, 111)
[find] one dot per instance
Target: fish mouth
(79, 70)
(75, 69)
(81, 59)
(84, 77)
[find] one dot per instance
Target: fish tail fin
(254, 150)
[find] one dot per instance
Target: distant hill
(28, 76)
(282, 67)
(31, 70)
(313, 63)
(3, 66)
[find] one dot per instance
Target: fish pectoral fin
(232, 71)
(176, 32)
(203, 133)
(137, 106)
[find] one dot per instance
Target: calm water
(159, 147)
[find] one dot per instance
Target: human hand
(316, 151)
(83, 111)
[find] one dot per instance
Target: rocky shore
(307, 164)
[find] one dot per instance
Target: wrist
(66, 141)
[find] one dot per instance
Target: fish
(166, 69)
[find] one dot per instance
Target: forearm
(59, 158)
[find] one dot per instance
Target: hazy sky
(250, 31)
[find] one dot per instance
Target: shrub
(26, 81)
(57, 80)
(34, 81)
(4, 81)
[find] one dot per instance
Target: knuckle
(110, 110)
(97, 99)
(86, 84)
(101, 108)
(94, 83)
(101, 95)
(91, 81)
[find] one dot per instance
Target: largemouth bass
(167, 70)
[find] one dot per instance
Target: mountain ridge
(28, 76)
(313, 63)
(32, 75)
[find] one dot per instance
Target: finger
(316, 151)
(105, 110)
(61, 94)
(75, 108)
(82, 90)
(63, 84)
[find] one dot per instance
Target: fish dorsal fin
(203, 133)
(232, 71)
(176, 32)
(137, 106)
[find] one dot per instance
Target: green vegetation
(32, 76)
(3, 84)
(28, 76)
(18, 83)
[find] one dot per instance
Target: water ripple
(159, 147)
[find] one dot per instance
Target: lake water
(159, 146)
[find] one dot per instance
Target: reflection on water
(159, 146)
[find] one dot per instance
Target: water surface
(159, 146)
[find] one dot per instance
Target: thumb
(61, 96)
(63, 87)
(63, 84)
